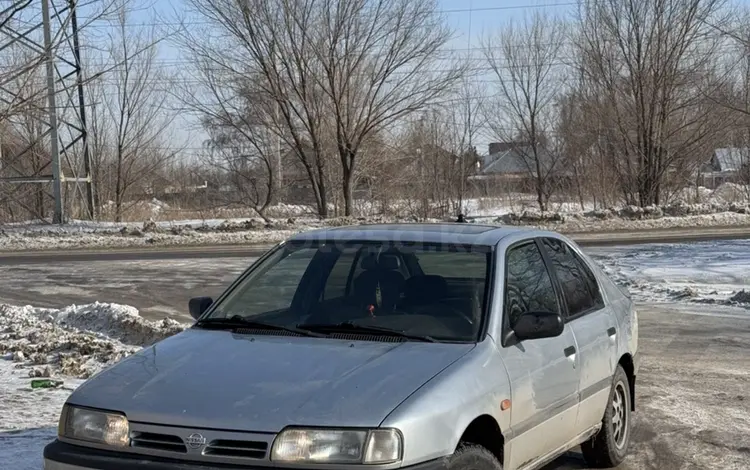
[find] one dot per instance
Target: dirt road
(693, 396)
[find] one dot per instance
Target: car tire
(473, 457)
(609, 447)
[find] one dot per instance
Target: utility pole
(90, 208)
(469, 126)
(51, 105)
(57, 215)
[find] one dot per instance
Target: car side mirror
(198, 305)
(537, 325)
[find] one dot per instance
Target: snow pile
(676, 209)
(152, 208)
(731, 192)
(77, 340)
(692, 195)
(725, 193)
(741, 297)
(675, 215)
(157, 206)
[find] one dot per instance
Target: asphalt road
(158, 288)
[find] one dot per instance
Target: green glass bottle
(46, 383)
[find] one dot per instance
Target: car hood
(221, 380)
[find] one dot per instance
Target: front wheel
(609, 447)
(473, 457)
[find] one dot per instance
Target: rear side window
(528, 285)
(578, 283)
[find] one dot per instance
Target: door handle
(569, 351)
(612, 331)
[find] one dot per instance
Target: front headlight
(94, 426)
(377, 446)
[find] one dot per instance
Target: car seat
(379, 284)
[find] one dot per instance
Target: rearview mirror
(198, 305)
(537, 325)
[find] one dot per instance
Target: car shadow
(22, 449)
(569, 461)
(573, 460)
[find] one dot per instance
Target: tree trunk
(322, 196)
(348, 193)
(539, 181)
(347, 172)
(118, 187)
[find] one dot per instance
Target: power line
(446, 11)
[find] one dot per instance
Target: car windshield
(437, 291)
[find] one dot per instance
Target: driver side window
(528, 285)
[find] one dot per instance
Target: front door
(543, 372)
(594, 326)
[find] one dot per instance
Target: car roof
(450, 233)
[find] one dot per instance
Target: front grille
(242, 449)
(165, 442)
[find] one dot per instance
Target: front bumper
(63, 456)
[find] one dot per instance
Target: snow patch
(710, 273)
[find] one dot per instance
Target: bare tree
(382, 62)
(337, 70)
(434, 157)
(644, 64)
(23, 129)
(526, 61)
(18, 69)
(584, 152)
(11, 10)
(136, 103)
(100, 130)
(466, 118)
(263, 42)
(733, 92)
(239, 117)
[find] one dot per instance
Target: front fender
(434, 417)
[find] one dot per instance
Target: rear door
(542, 372)
(593, 324)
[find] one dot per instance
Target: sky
(470, 19)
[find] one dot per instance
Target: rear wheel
(609, 447)
(473, 457)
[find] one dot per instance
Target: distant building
(725, 165)
(513, 166)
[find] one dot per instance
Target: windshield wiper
(349, 327)
(237, 321)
